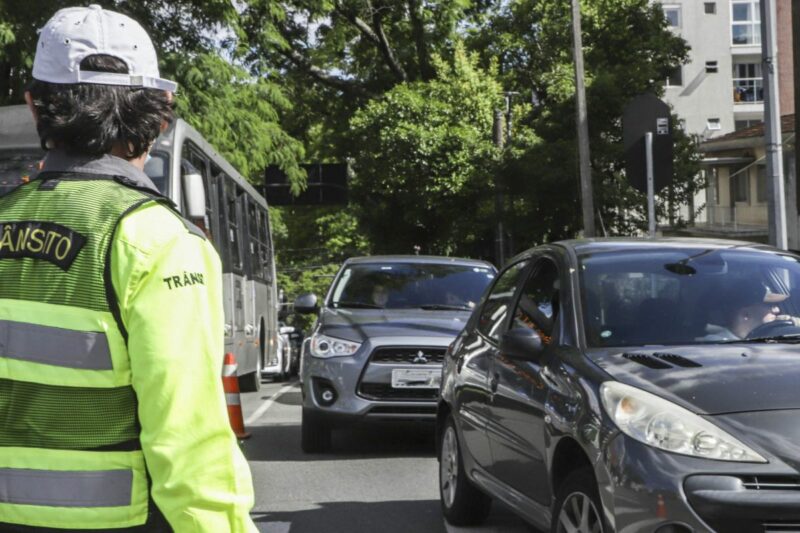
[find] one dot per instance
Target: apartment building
(721, 88)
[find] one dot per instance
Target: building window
(673, 14)
(675, 79)
(712, 67)
(710, 7)
(745, 22)
(713, 124)
(742, 124)
(741, 186)
(761, 184)
(748, 83)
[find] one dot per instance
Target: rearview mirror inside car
(521, 343)
(306, 304)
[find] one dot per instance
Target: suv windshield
(687, 296)
(411, 285)
(16, 168)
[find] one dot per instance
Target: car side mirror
(306, 304)
(521, 343)
(195, 194)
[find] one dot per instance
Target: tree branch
(418, 31)
(362, 26)
(337, 82)
(383, 44)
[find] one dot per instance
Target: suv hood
(360, 324)
(711, 379)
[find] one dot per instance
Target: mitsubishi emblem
(420, 359)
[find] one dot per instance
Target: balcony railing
(745, 217)
(748, 90)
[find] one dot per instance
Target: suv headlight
(666, 426)
(323, 346)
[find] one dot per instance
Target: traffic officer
(113, 413)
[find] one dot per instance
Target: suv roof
(422, 259)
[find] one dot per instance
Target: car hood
(711, 379)
(360, 324)
(776, 432)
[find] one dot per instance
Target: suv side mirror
(195, 195)
(306, 304)
(521, 343)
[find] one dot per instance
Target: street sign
(646, 113)
(327, 185)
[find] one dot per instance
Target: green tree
(424, 161)
(628, 50)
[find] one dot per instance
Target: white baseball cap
(74, 33)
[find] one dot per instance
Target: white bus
(189, 171)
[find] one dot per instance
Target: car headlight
(666, 426)
(324, 347)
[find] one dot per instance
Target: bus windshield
(16, 168)
(411, 286)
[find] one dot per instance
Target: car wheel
(315, 434)
(578, 508)
(462, 503)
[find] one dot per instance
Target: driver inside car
(744, 309)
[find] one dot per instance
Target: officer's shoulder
(155, 225)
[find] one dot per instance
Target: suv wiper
(358, 305)
(445, 307)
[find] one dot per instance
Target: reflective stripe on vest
(100, 488)
(54, 346)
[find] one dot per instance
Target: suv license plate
(413, 378)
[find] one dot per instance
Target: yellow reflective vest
(111, 345)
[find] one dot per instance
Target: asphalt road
(375, 480)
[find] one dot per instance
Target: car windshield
(16, 168)
(686, 296)
(411, 285)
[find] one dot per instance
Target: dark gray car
(376, 350)
(630, 386)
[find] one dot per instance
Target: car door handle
(493, 383)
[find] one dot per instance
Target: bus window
(265, 254)
(234, 225)
(157, 169)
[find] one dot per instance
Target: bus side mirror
(195, 193)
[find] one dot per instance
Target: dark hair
(90, 119)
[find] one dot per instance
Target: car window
(537, 306)
(690, 296)
(412, 285)
(498, 302)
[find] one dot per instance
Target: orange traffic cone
(230, 383)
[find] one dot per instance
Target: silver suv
(377, 347)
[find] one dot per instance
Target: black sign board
(327, 185)
(646, 113)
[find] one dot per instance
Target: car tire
(578, 507)
(315, 433)
(462, 503)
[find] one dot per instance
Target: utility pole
(582, 124)
(499, 240)
(772, 126)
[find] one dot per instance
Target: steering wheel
(769, 329)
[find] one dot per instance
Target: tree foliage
(424, 160)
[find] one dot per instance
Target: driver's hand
(795, 320)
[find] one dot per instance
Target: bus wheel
(251, 382)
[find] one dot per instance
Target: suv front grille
(385, 391)
(408, 355)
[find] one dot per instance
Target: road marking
(267, 404)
